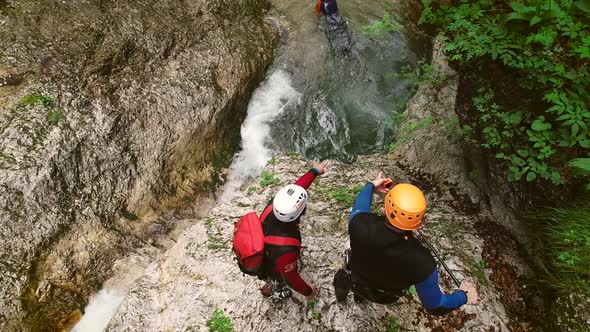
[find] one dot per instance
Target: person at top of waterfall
(329, 8)
(288, 206)
(385, 259)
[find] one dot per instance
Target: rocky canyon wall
(111, 112)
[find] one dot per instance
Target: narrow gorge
(134, 134)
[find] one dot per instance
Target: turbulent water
(275, 95)
(100, 310)
(321, 103)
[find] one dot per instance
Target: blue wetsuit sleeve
(434, 300)
(363, 201)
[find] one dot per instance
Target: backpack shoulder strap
(282, 241)
(265, 213)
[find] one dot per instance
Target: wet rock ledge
(180, 291)
(111, 112)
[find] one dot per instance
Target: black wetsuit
(385, 259)
(329, 7)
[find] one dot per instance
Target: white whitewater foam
(100, 309)
(103, 305)
(267, 102)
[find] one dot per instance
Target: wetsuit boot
(276, 291)
(341, 285)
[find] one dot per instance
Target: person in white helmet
(281, 261)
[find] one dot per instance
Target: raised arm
(307, 178)
(363, 200)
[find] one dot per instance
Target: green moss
(36, 98)
(209, 221)
(54, 116)
(477, 270)
(408, 130)
(220, 162)
(393, 325)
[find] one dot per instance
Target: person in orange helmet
(385, 259)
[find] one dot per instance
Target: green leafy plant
(424, 74)
(268, 178)
(314, 314)
(219, 322)
(537, 121)
(381, 27)
(393, 325)
(343, 195)
(272, 161)
(252, 189)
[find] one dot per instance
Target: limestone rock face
(110, 113)
(180, 291)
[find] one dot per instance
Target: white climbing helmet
(289, 202)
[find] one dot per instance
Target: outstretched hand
(378, 184)
(471, 290)
(322, 166)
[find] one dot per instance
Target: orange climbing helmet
(405, 206)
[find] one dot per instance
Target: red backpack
(249, 241)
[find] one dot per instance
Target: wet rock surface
(111, 112)
(181, 290)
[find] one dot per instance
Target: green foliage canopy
(545, 45)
